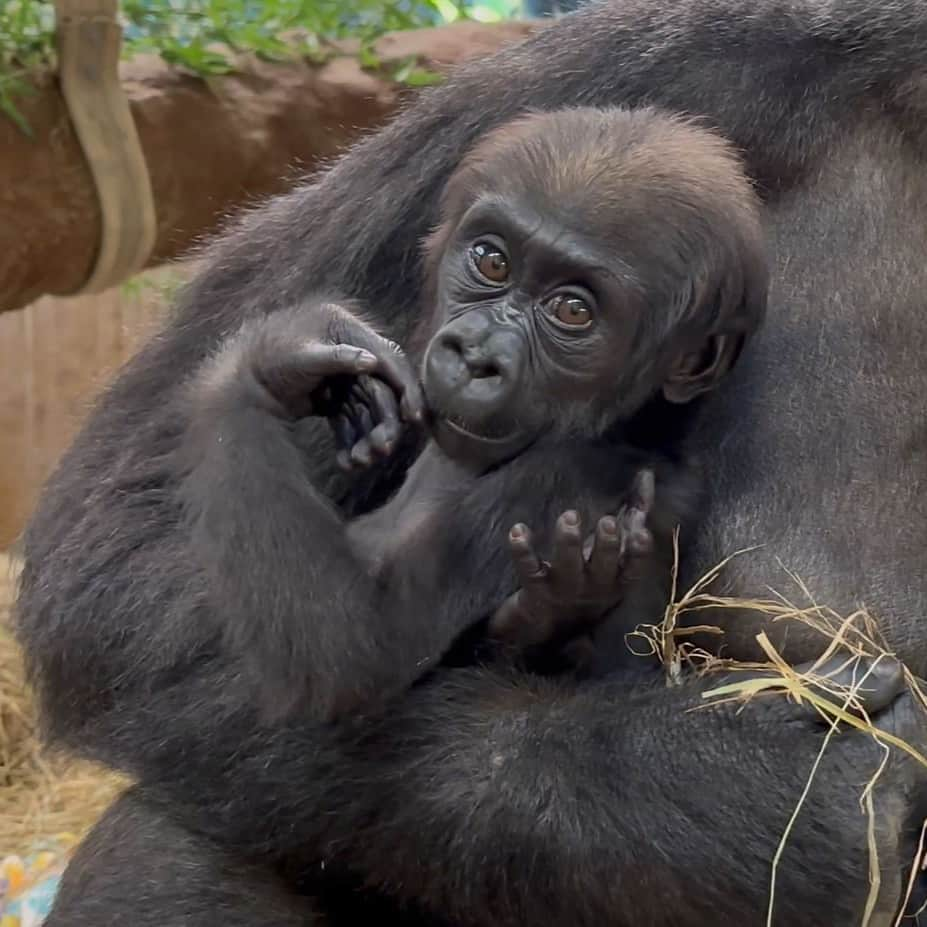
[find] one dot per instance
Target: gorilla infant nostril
(444, 362)
(451, 342)
(484, 370)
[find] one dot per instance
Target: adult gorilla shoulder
(471, 782)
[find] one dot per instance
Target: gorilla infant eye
(570, 311)
(490, 261)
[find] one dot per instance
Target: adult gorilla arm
(115, 612)
(495, 800)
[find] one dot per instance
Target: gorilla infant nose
(473, 360)
(474, 372)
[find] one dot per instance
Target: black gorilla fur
(493, 800)
(644, 228)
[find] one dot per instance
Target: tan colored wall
(54, 357)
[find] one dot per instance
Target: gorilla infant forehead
(643, 181)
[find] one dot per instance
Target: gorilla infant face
(535, 321)
(588, 262)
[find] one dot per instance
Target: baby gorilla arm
(308, 603)
(294, 599)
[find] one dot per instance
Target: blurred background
(233, 100)
(125, 140)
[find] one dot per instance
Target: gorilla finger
(362, 454)
(588, 547)
(637, 538)
(875, 684)
(385, 411)
(529, 567)
(643, 491)
(640, 542)
(359, 396)
(382, 441)
(327, 359)
(605, 558)
(412, 406)
(394, 369)
(364, 419)
(363, 411)
(294, 374)
(345, 436)
(351, 412)
(567, 561)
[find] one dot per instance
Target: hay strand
(40, 796)
(856, 636)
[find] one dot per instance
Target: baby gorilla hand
(325, 361)
(565, 598)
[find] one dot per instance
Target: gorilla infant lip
(490, 443)
(471, 373)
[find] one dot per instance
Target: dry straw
(854, 638)
(39, 796)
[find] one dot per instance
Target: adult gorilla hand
(324, 360)
(875, 688)
(881, 694)
(861, 686)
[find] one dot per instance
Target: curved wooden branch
(89, 44)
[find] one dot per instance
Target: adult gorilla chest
(821, 427)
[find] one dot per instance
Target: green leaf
(419, 77)
(368, 58)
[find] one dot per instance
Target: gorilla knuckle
(344, 353)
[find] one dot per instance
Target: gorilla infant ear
(697, 372)
(594, 256)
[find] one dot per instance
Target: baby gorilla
(594, 273)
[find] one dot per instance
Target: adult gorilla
(492, 801)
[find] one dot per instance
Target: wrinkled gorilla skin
(517, 801)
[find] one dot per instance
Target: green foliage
(163, 283)
(196, 34)
(26, 40)
(411, 74)
(188, 31)
(26, 33)
(489, 11)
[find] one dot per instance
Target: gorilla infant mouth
(490, 432)
(487, 441)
